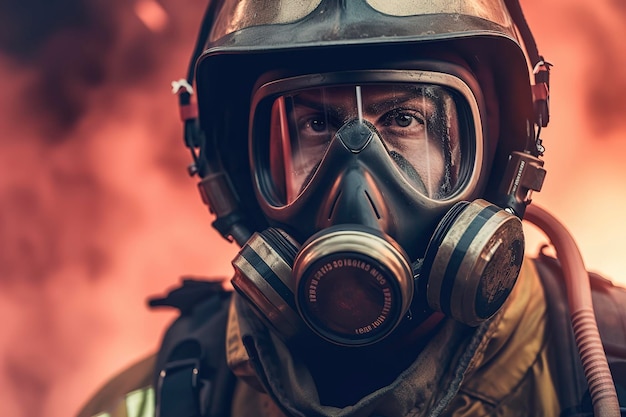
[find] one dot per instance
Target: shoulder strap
(192, 378)
(609, 303)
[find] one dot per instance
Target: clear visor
(425, 130)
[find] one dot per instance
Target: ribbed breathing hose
(595, 365)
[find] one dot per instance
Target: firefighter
(374, 161)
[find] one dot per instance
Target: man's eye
(317, 125)
(402, 118)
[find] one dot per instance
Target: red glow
(151, 14)
(97, 213)
(585, 140)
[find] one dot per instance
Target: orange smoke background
(97, 212)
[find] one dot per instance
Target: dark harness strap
(192, 377)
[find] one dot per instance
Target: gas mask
(370, 180)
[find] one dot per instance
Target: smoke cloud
(600, 31)
(97, 211)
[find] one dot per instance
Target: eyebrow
(390, 103)
(376, 107)
(334, 110)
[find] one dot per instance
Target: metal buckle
(192, 366)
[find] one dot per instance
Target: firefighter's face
(401, 117)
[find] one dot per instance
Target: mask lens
(418, 124)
